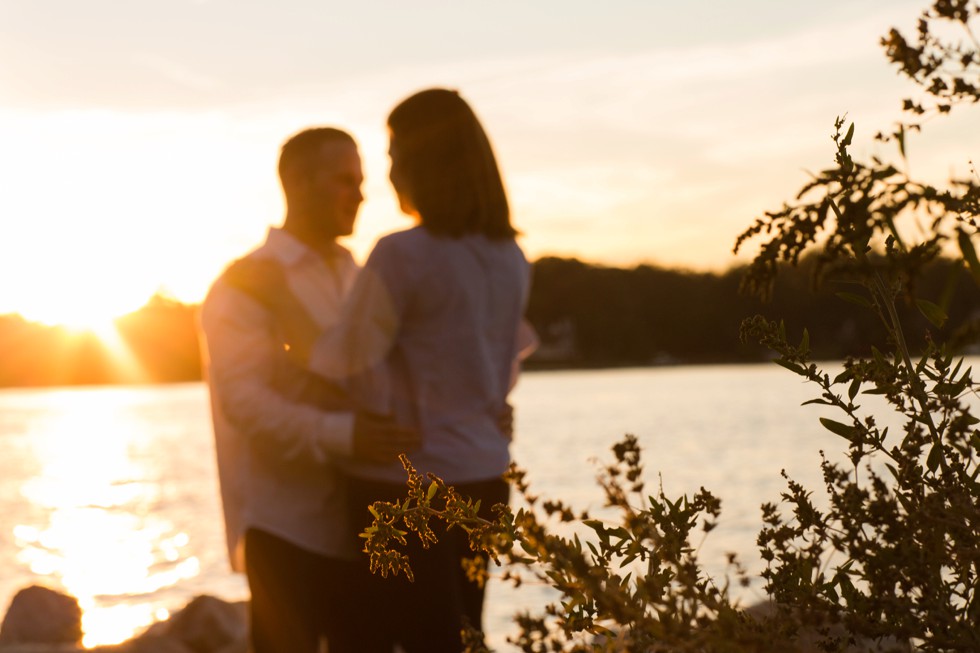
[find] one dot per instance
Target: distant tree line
(591, 316)
(586, 316)
(156, 344)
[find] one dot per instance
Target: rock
(38, 615)
(205, 625)
(42, 648)
(44, 621)
(241, 646)
(147, 644)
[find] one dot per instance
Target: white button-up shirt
(275, 454)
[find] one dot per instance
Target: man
(279, 431)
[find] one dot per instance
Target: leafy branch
(892, 555)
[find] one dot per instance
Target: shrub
(894, 552)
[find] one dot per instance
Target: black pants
(298, 597)
(427, 615)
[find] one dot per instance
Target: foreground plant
(629, 582)
(892, 556)
(896, 550)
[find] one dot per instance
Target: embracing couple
(321, 374)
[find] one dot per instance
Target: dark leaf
(969, 254)
(936, 315)
(855, 299)
(843, 430)
(935, 457)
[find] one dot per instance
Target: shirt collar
(290, 250)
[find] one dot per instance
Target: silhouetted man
(279, 431)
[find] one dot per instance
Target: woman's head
(443, 168)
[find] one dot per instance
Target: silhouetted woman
(430, 335)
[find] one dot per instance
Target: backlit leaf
(936, 315)
(969, 254)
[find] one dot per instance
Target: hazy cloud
(175, 72)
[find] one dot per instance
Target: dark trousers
(427, 615)
(298, 597)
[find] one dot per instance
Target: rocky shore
(41, 620)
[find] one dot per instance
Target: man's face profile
(335, 188)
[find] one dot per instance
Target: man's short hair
(300, 151)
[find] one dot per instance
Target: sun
(86, 320)
(78, 314)
(85, 293)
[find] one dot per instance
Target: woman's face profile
(396, 176)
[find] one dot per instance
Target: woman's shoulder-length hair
(447, 166)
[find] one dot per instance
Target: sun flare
(87, 301)
(78, 322)
(86, 337)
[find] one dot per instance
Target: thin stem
(918, 392)
(973, 37)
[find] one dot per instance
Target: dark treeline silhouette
(163, 338)
(157, 344)
(586, 315)
(599, 316)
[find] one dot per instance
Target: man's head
(321, 177)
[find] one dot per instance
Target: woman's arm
(526, 344)
(285, 412)
(365, 334)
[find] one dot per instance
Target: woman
(430, 335)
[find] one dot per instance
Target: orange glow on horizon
(88, 351)
(78, 315)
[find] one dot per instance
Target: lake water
(110, 493)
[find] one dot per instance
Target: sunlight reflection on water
(110, 494)
(93, 519)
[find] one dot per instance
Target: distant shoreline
(528, 369)
(587, 318)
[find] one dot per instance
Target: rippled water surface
(110, 493)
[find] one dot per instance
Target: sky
(138, 138)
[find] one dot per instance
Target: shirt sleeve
(526, 343)
(368, 326)
(355, 352)
(242, 348)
